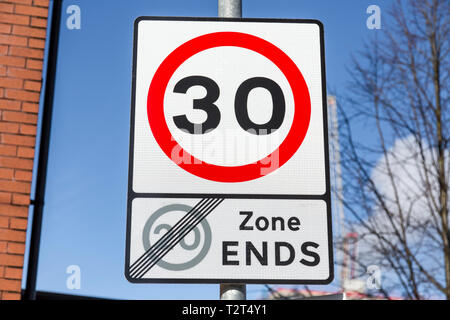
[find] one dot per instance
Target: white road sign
(229, 173)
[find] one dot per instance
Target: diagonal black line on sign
(189, 227)
(173, 236)
(170, 235)
(174, 229)
(169, 242)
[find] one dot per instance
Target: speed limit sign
(228, 173)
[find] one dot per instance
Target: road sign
(229, 173)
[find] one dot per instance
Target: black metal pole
(41, 176)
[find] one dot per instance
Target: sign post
(231, 9)
(229, 172)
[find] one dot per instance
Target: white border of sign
(325, 197)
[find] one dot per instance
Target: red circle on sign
(290, 145)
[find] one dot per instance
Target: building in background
(23, 25)
(306, 294)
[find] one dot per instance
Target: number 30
(240, 105)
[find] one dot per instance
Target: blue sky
(85, 205)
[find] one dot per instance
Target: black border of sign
(325, 197)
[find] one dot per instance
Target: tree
(396, 172)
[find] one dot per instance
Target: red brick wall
(22, 39)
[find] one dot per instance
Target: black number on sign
(240, 105)
(278, 106)
(206, 104)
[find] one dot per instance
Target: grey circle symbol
(185, 265)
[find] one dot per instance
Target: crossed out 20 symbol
(152, 228)
(243, 171)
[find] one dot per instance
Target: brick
(21, 117)
(2, 70)
(35, 64)
(6, 173)
(17, 140)
(24, 152)
(3, 49)
(14, 19)
(13, 273)
(12, 61)
(38, 22)
(32, 85)
(11, 260)
(41, 3)
(11, 82)
(16, 163)
(6, 7)
(36, 43)
(9, 104)
(20, 199)
(4, 222)
(6, 150)
(15, 186)
(26, 52)
(10, 285)
(13, 40)
(11, 296)
(22, 95)
(20, 1)
(13, 211)
(13, 116)
(28, 129)
(17, 248)
(30, 107)
(3, 246)
(22, 175)
(16, 225)
(12, 235)
(31, 11)
(24, 74)
(9, 127)
(5, 197)
(29, 32)
(5, 28)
